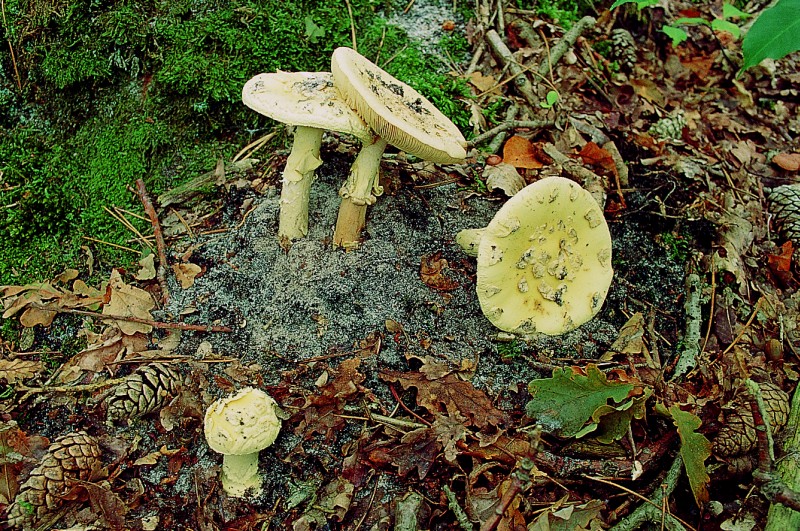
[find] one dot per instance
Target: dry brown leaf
(787, 161)
(129, 301)
(505, 177)
(449, 431)
(519, 152)
(451, 393)
(147, 269)
(594, 155)
(431, 271)
(185, 273)
(17, 370)
(33, 316)
(648, 90)
(67, 275)
(483, 83)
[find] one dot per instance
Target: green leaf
(695, 449)
(676, 34)
(691, 21)
(641, 4)
(562, 404)
(774, 34)
(724, 25)
(551, 99)
(730, 11)
(614, 423)
(313, 32)
(569, 518)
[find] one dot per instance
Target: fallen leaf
(562, 404)
(451, 393)
(129, 301)
(16, 370)
(503, 176)
(519, 152)
(695, 449)
(147, 270)
(185, 273)
(787, 161)
(648, 90)
(483, 83)
(431, 271)
(594, 155)
(417, 449)
(783, 261)
(449, 431)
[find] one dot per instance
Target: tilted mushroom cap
(306, 99)
(544, 262)
(243, 423)
(397, 112)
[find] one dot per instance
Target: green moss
(150, 89)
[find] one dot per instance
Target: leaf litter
(391, 381)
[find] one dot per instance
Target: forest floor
(402, 406)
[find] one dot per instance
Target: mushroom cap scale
(394, 110)
(544, 261)
(306, 99)
(243, 423)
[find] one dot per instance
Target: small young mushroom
(238, 427)
(544, 261)
(400, 116)
(309, 101)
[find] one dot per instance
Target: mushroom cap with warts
(394, 110)
(544, 261)
(306, 99)
(239, 426)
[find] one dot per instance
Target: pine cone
(623, 48)
(70, 457)
(738, 435)
(145, 390)
(784, 203)
(670, 127)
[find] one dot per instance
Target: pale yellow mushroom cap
(241, 424)
(397, 112)
(544, 261)
(306, 99)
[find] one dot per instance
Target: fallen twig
(154, 324)
(521, 81)
(505, 126)
(566, 42)
(70, 388)
(163, 264)
(652, 510)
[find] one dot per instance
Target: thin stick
(711, 309)
(184, 223)
(127, 224)
(505, 126)
(352, 24)
(154, 324)
(253, 146)
(564, 44)
(110, 244)
(70, 388)
(163, 264)
(746, 326)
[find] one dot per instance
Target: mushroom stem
(359, 191)
(240, 473)
(297, 179)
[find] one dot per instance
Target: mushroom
(400, 116)
(308, 101)
(544, 261)
(238, 427)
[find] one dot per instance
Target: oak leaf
(519, 152)
(695, 449)
(129, 301)
(452, 394)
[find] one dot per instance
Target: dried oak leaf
(16, 370)
(503, 176)
(454, 394)
(449, 431)
(417, 449)
(129, 301)
(594, 155)
(185, 273)
(520, 153)
(321, 412)
(431, 271)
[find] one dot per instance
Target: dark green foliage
(120, 90)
